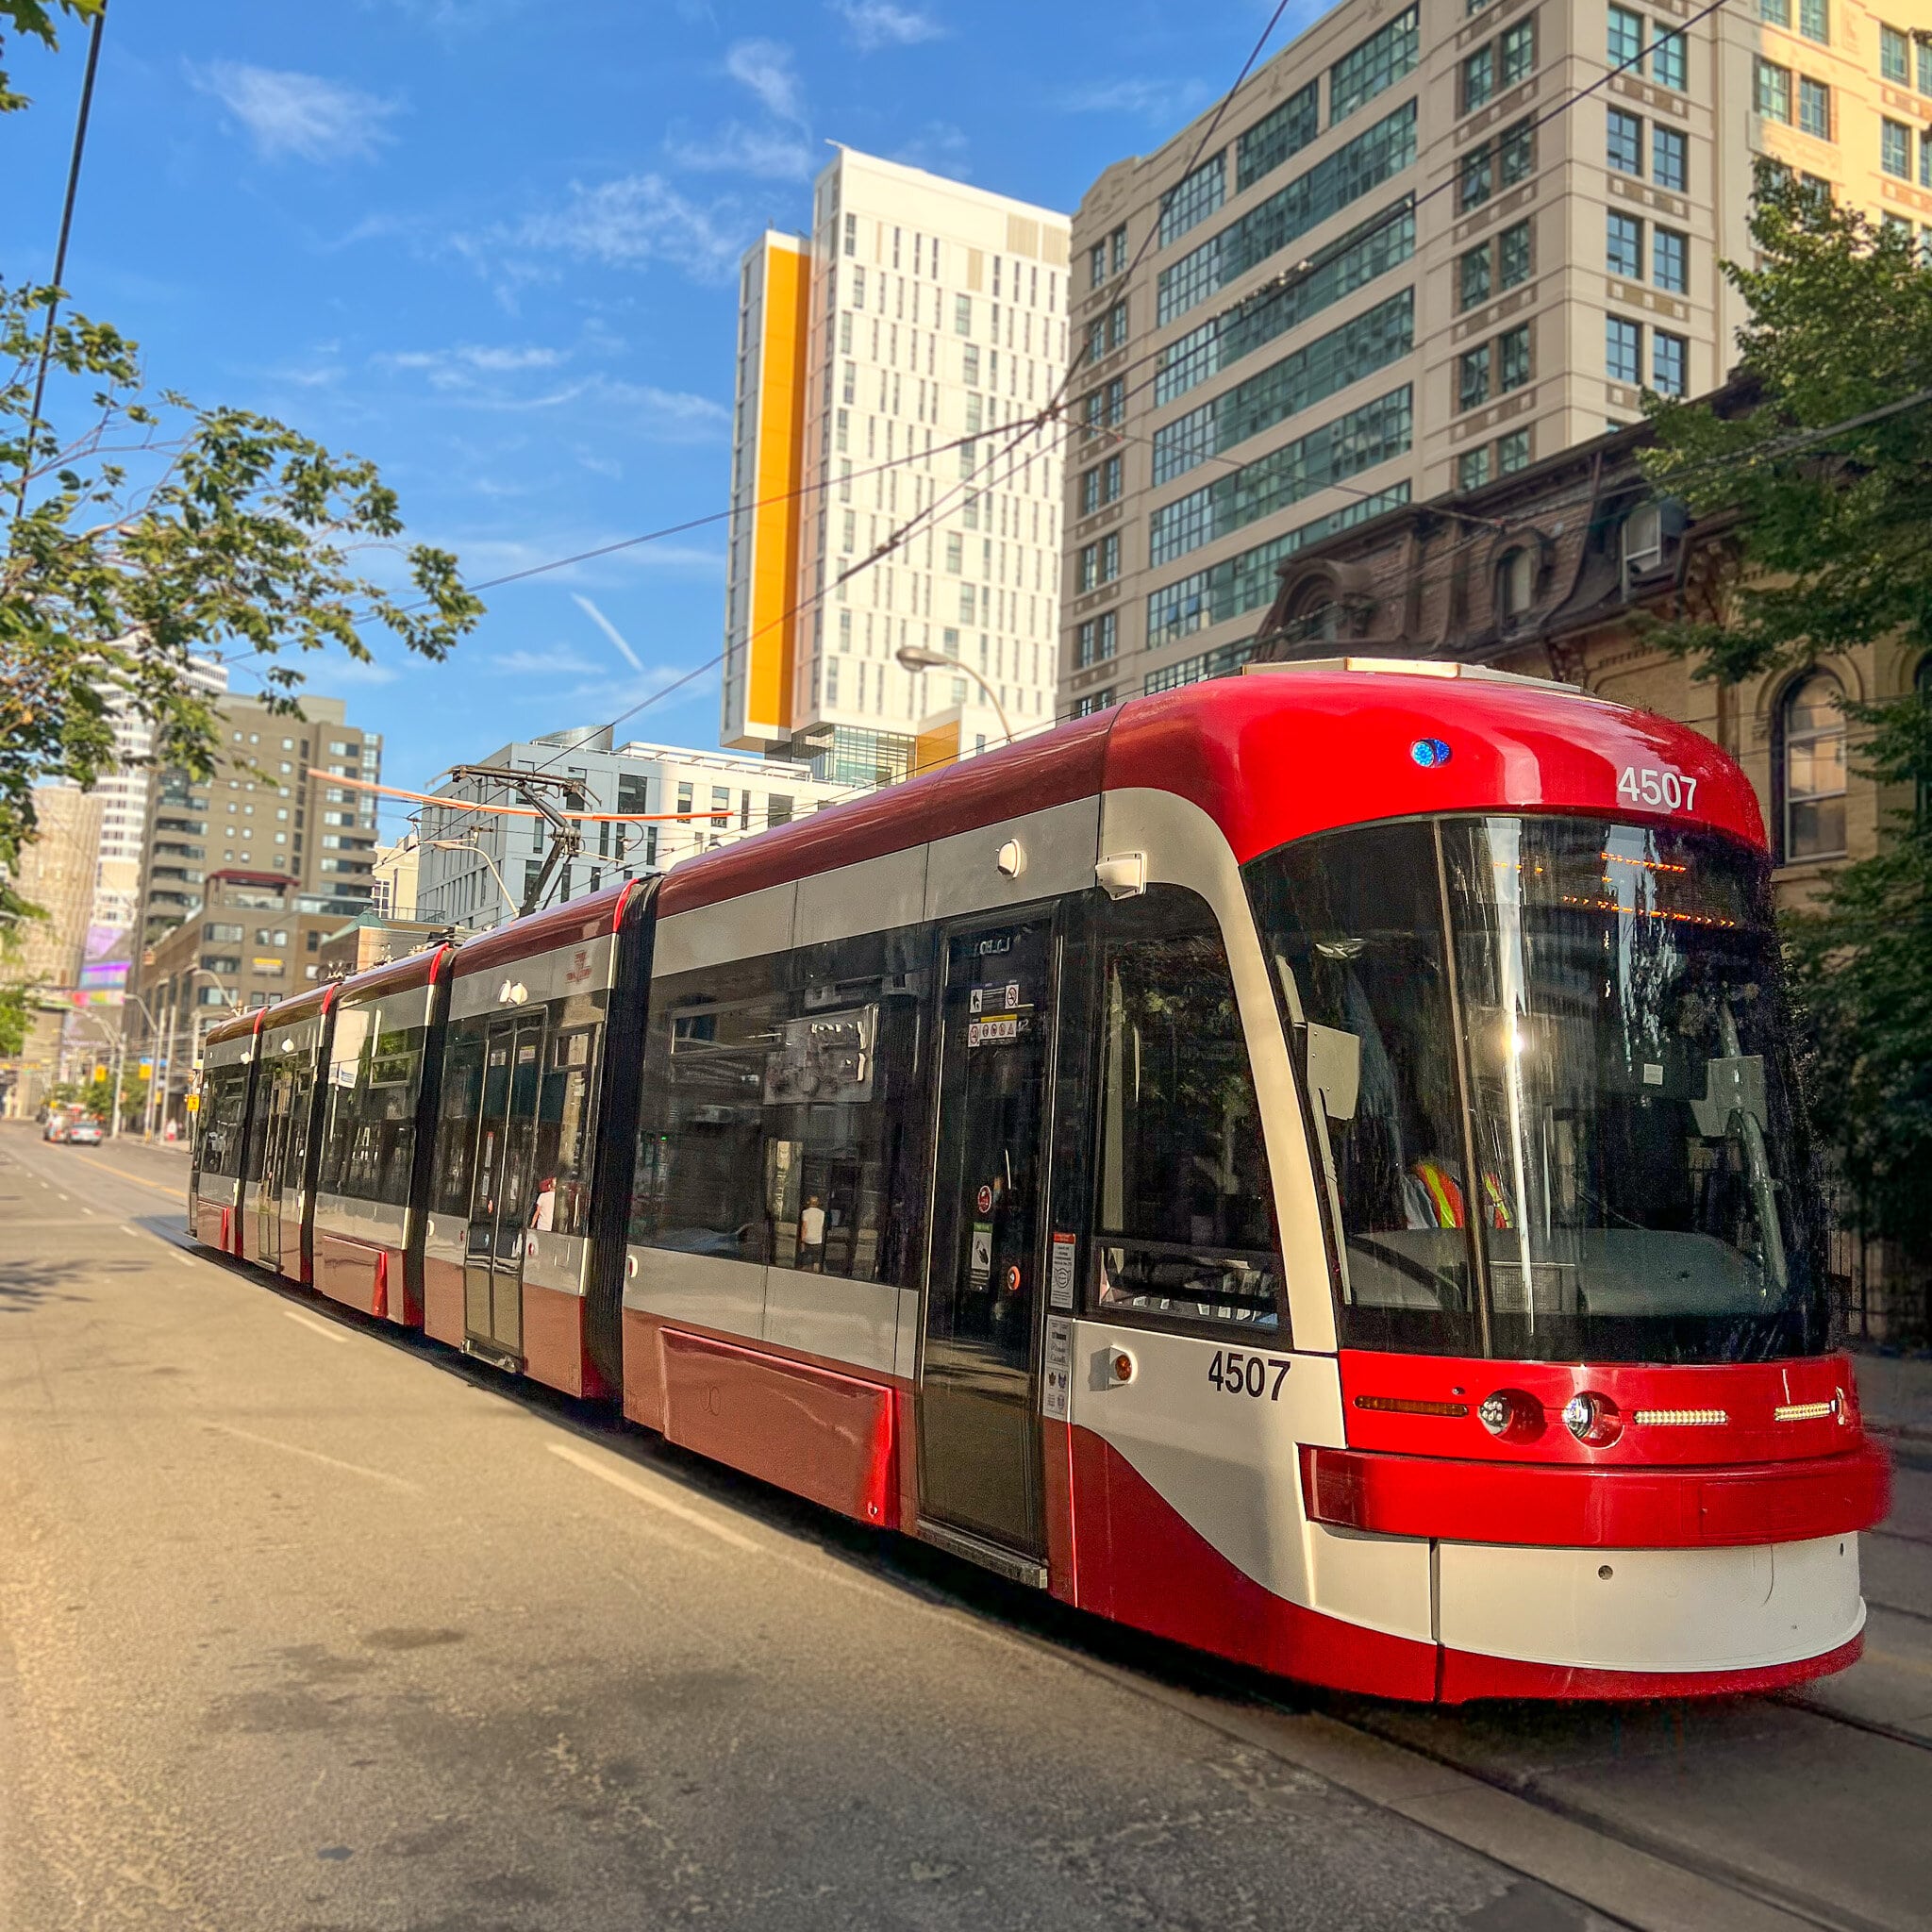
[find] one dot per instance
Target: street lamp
(469, 845)
(915, 658)
(234, 999)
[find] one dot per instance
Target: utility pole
(567, 841)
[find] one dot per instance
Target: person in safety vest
(1432, 1196)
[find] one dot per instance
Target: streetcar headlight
(1511, 1414)
(1593, 1420)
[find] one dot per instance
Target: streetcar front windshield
(1549, 1089)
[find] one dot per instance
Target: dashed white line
(321, 1328)
(375, 1476)
(617, 1480)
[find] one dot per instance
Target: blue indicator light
(1427, 752)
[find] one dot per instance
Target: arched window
(1316, 618)
(1811, 769)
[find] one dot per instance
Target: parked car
(55, 1126)
(84, 1134)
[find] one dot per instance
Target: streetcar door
(274, 1154)
(978, 1443)
(503, 1190)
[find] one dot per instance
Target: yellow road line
(173, 1193)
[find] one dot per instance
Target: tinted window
(1184, 1223)
(784, 1111)
(456, 1122)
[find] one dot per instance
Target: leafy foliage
(1830, 477)
(37, 21)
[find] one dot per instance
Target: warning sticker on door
(980, 1267)
(1060, 1293)
(992, 1032)
(1057, 1371)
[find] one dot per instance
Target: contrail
(609, 629)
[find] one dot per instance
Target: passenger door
(274, 1155)
(503, 1192)
(980, 1438)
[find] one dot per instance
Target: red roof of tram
(1270, 756)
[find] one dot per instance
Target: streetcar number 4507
(1670, 789)
(1235, 1373)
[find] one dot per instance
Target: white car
(84, 1134)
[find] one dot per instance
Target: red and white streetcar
(1306, 1165)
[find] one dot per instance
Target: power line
(87, 99)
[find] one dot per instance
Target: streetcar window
(1184, 1224)
(1355, 924)
(1573, 1135)
(783, 1110)
(455, 1124)
(563, 1133)
(375, 1074)
(223, 1095)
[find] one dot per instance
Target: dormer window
(1644, 540)
(1515, 582)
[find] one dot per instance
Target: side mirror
(1733, 1084)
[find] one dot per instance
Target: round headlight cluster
(1512, 1415)
(1593, 1420)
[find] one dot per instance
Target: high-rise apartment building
(473, 868)
(1417, 254)
(883, 365)
(275, 805)
(124, 795)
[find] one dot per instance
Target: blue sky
(493, 245)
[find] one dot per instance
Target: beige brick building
(1417, 255)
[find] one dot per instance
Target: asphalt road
(307, 1626)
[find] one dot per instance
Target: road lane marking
(375, 1476)
(592, 1466)
(122, 1173)
(321, 1328)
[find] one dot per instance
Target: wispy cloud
(1152, 98)
(939, 147)
(558, 662)
(347, 670)
(765, 67)
(771, 153)
(609, 630)
(464, 365)
(633, 220)
(875, 24)
(298, 114)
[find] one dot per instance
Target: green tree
(154, 530)
(1829, 473)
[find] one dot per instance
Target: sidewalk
(1896, 1392)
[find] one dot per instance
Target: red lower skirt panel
(356, 1273)
(209, 1224)
(832, 1438)
(291, 1263)
(1141, 1563)
(554, 1346)
(444, 1318)
(1567, 1507)
(1467, 1676)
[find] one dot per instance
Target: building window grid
(1519, 51)
(1384, 242)
(1478, 77)
(1894, 55)
(1352, 170)
(1278, 136)
(1671, 159)
(1623, 350)
(1472, 377)
(1626, 39)
(1375, 65)
(1249, 581)
(1814, 108)
(1320, 369)
(1773, 92)
(1625, 142)
(1623, 246)
(1329, 454)
(1670, 260)
(1669, 61)
(1193, 198)
(1814, 21)
(1670, 357)
(1896, 149)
